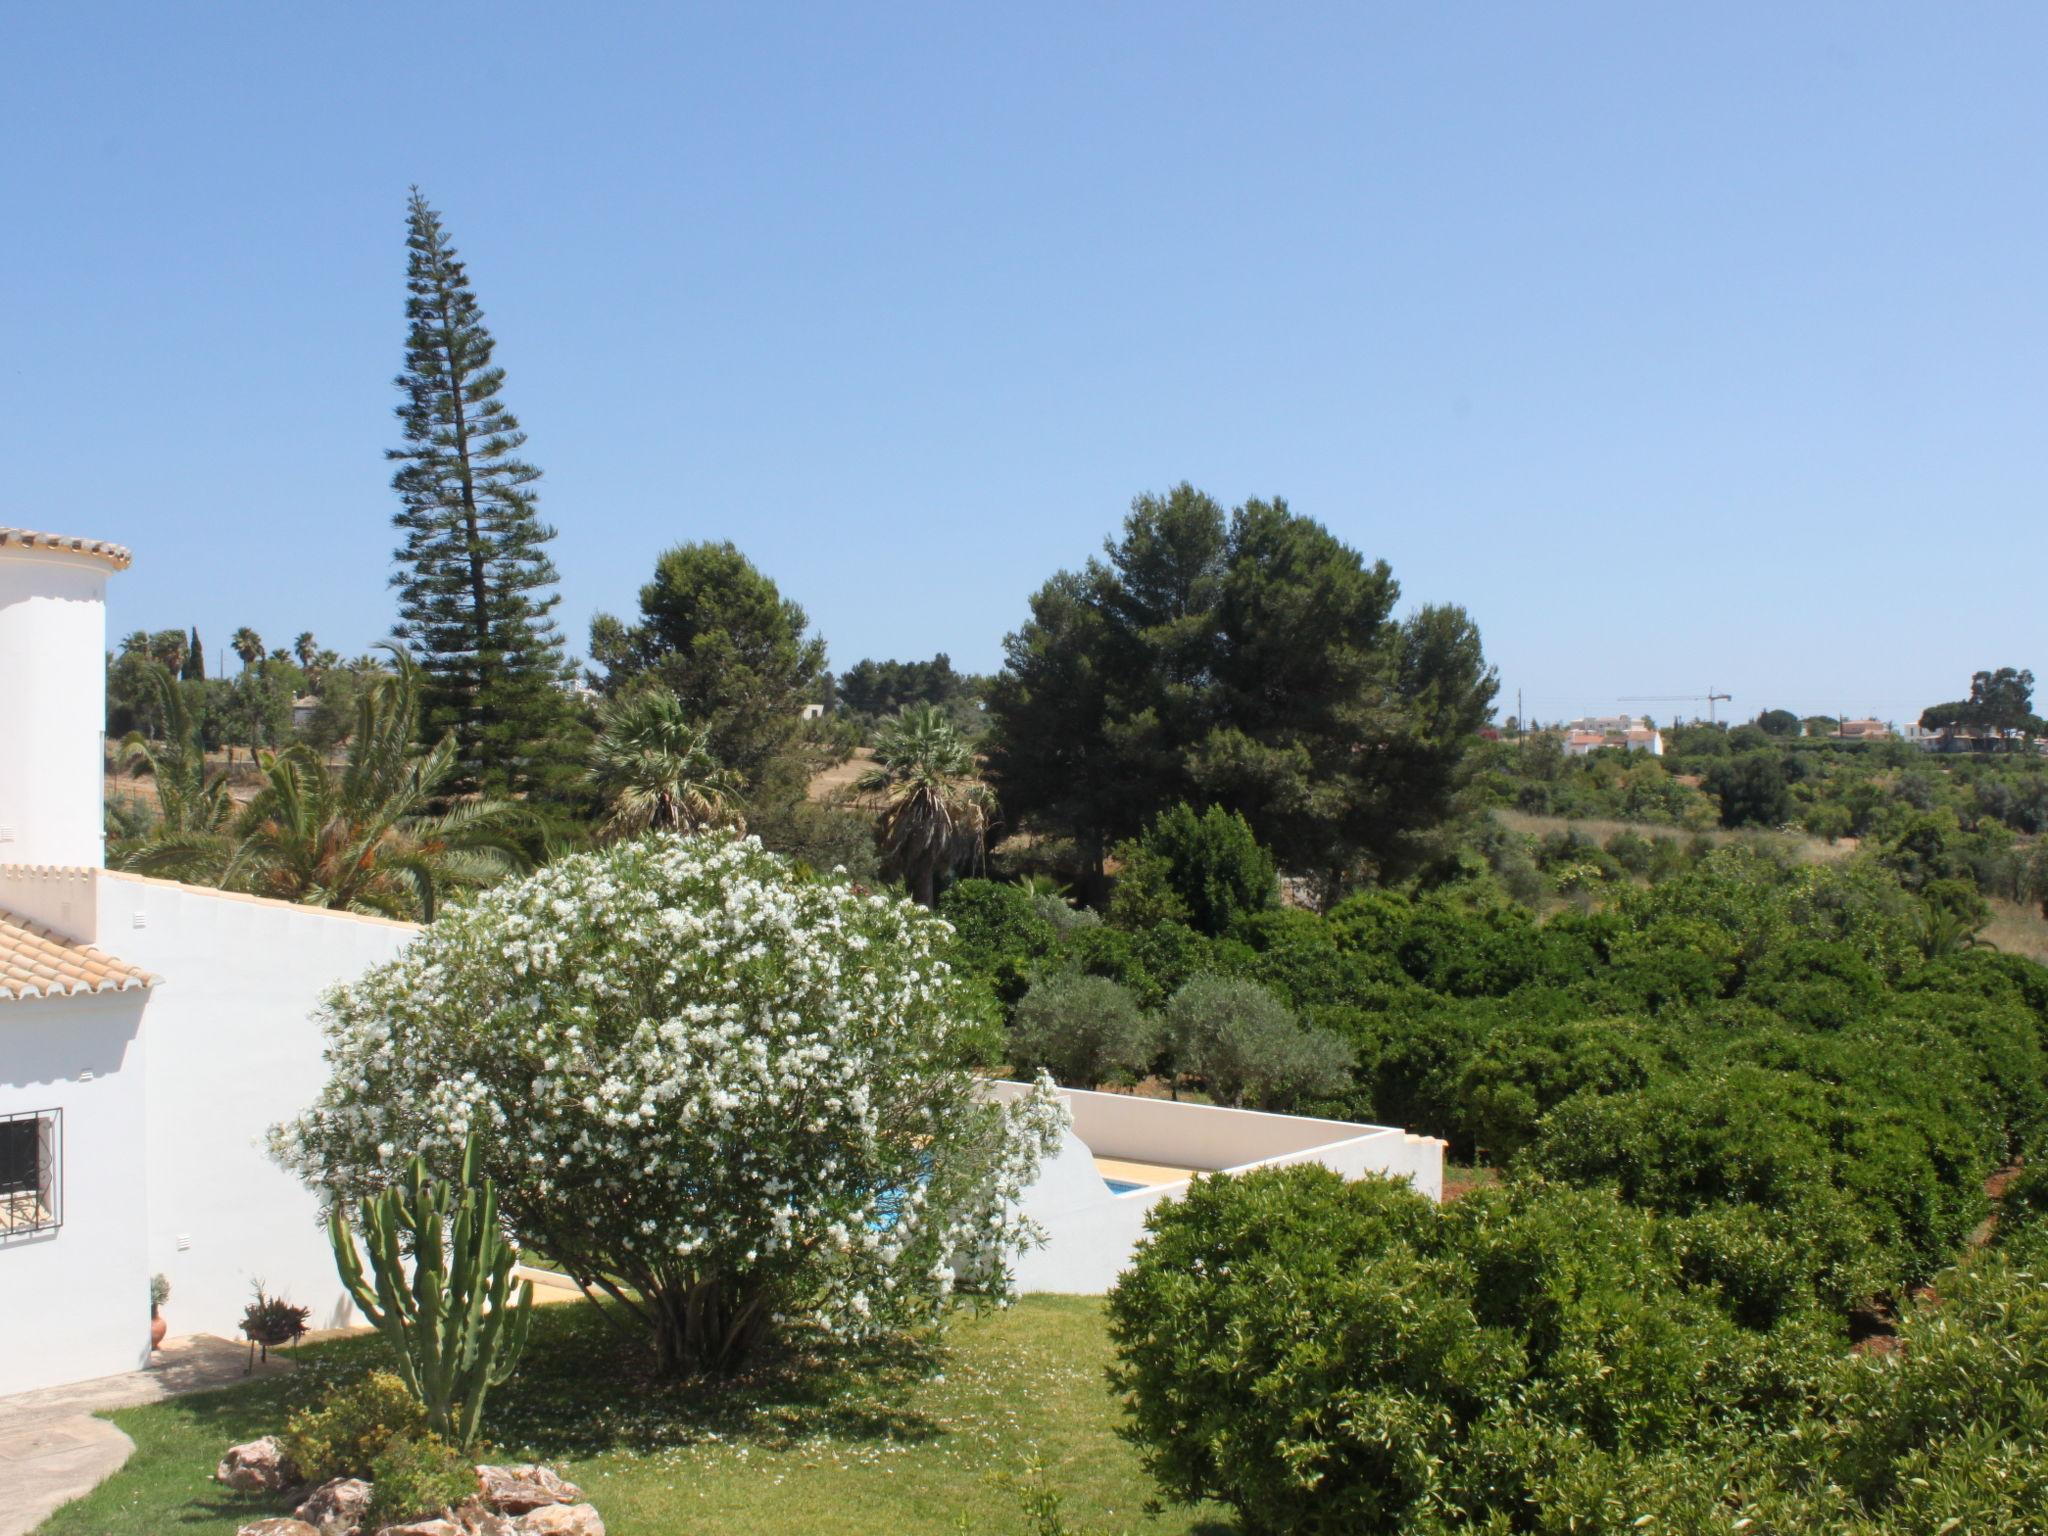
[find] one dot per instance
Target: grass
(2018, 929)
(922, 1438)
(1813, 850)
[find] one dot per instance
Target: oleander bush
(725, 1091)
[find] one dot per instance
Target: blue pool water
(1122, 1186)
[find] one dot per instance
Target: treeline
(1974, 817)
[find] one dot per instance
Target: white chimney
(53, 696)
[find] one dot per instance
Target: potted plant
(269, 1321)
(159, 1293)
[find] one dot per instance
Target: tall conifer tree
(476, 587)
(194, 669)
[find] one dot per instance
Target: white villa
(152, 1032)
(1631, 732)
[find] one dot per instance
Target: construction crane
(1709, 697)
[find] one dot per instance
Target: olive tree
(722, 1092)
(1247, 1047)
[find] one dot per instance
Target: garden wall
(234, 1049)
(1090, 1231)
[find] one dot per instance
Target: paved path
(52, 1449)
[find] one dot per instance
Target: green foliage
(721, 637)
(1249, 660)
(366, 838)
(1752, 790)
(1525, 1069)
(1205, 870)
(820, 837)
(1949, 1431)
(654, 768)
(932, 812)
(1779, 722)
(1000, 934)
(452, 1324)
(418, 1477)
(1245, 1047)
(348, 1431)
(1999, 701)
(475, 585)
(871, 691)
(1323, 1356)
(1084, 1030)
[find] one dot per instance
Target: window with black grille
(31, 1172)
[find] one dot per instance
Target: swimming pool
(1122, 1186)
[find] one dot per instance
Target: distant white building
(1632, 733)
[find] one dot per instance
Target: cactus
(453, 1326)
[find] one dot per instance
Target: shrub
(1083, 1030)
(722, 1090)
(1305, 959)
(1204, 870)
(1949, 1431)
(1242, 1042)
(1332, 1357)
(345, 1434)
(1522, 1070)
(418, 1477)
(1287, 1345)
(999, 933)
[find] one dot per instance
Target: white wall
(234, 1049)
(74, 1303)
(53, 632)
(63, 899)
(1090, 1231)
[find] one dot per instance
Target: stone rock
(338, 1507)
(435, 1527)
(561, 1520)
(515, 1490)
(258, 1467)
(277, 1527)
(476, 1520)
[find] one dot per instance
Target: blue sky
(1682, 345)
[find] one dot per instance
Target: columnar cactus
(454, 1326)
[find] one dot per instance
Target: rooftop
(34, 962)
(115, 555)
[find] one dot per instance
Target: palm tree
(189, 800)
(656, 770)
(248, 645)
(933, 813)
(305, 649)
(364, 839)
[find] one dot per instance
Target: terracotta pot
(157, 1329)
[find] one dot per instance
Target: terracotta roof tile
(34, 962)
(27, 538)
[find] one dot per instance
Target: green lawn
(937, 1439)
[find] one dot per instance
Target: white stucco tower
(53, 696)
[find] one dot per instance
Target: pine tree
(476, 588)
(194, 669)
